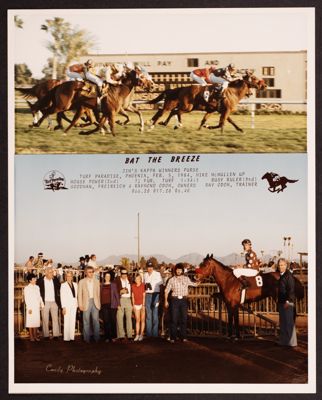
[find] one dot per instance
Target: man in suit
(89, 302)
(49, 286)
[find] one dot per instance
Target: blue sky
(145, 31)
(68, 223)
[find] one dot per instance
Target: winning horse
(275, 183)
(259, 287)
(190, 98)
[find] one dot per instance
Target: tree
(154, 262)
(67, 43)
(23, 75)
(18, 22)
(142, 263)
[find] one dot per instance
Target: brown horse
(39, 91)
(116, 99)
(190, 98)
(147, 85)
(279, 184)
(260, 287)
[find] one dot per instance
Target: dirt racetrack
(201, 360)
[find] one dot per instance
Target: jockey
(223, 76)
(110, 74)
(275, 176)
(76, 72)
(252, 264)
(90, 74)
(202, 77)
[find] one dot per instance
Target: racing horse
(116, 99)
(259, 287)
(147, 85)
(39, 91)
(190, 98)
(275, 183)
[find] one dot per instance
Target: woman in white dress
(68, 297)
(34, 304)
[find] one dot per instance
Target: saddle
(89, 90)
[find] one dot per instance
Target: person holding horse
(179, 285)
(286, 305)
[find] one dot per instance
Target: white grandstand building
(284, 72)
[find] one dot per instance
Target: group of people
(118, 298)
(111, 74)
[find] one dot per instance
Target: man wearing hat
(123, 284)
(152, 280)
(179, 285)
(49, 286)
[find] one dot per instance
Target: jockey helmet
(246, 241)
(89, 63)
(231, 66)
(129, 65)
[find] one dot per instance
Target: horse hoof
(175, 127)
(64, 134)
(162, 123)
(141, 129)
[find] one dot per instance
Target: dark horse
(260, 287)
(278, 181)
(190, 98)
(39, 91)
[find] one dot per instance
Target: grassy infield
(272, 134)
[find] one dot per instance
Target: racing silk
(203, 73)
(79, 68)
(251, 260)
(106, 74)
(224, 73)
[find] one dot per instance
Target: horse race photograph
(161, 200)
(76, 92)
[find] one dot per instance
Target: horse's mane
(225, 267)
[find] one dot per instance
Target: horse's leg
(236, 321)
(234, 124)
(222, 120)
(124, 114)
(204, 119)
(155, 118)
(79, 112)
(111, 121)
(172, 113)
(179, 120)
(230, 321)
(59, 118)
(138, 112)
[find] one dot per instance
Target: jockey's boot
(244, 283)
(206, 95)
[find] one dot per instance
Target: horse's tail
(27, 92)
(291, 181)
(157, 99)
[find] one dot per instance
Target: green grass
(272, 134)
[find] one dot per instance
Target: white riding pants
(218, 80)
(198, 79)
(74, 75)
(238, 272)
(94, 79)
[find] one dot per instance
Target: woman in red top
(138, 301)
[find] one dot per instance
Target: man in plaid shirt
(179, 285)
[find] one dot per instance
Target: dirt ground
(200, 360)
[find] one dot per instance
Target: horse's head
(204, 270)
(146, 81)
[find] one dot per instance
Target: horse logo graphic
(54, 180)
(277, 183)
